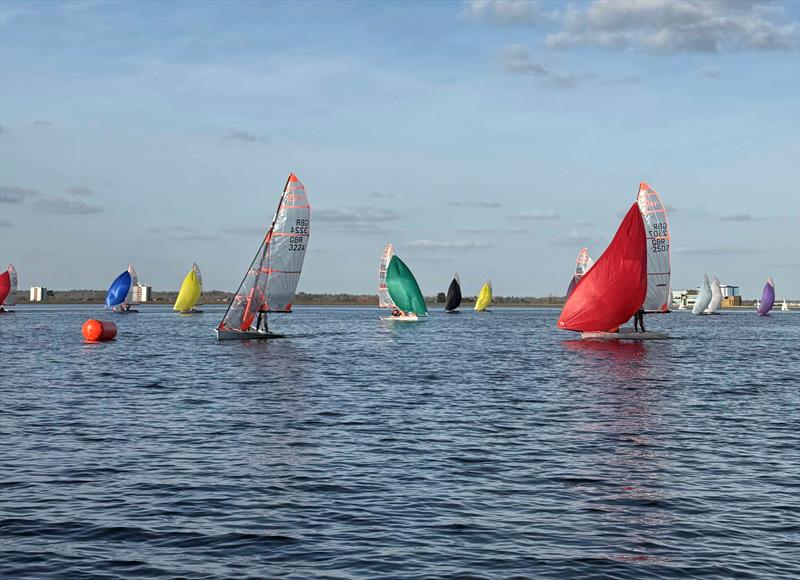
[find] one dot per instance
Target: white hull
(244, 334)
(406, 318)
(625, 334)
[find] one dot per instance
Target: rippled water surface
(488, 445)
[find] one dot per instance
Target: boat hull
(192, 311)
(244, 335)
(411, 318)
(624, 334)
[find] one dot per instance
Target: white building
(142, 293)
(729, 290)
(38, 294)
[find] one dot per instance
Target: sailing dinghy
(784, 306)
(190, 292)
(8, 289)
(716, 297)
(767, 298)
(453, 298)
(398, 289)
(118, 292)
(582, 265)
(484, 297)
(703, 297)
(614, 289)
(271, 280)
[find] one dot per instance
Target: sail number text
(297, 242)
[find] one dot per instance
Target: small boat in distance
(453, 298)
(8, 288)
(716, 297)
(118, 292)
(582, 264)
(398, 289)
(703, 297)
(190, 292)
(784, 306)
(767, 298)
(271, 280)
(614, 289)
(484, 297)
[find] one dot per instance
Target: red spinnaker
(614, 288)
(5, 285)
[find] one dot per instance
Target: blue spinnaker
(118, 290)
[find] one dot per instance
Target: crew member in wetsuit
(395, 312)
(638, 320)
(262, 317)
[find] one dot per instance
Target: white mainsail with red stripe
(384, 300)
(656, 226)
(271, 280)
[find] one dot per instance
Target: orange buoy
(99, 330)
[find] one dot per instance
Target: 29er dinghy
(120, 294)
(189, 294)
(484, 298)
(8, 289)
(767, 298)
(270, 282)
(716, 297)
(453, 298)
(614, 289)
(703, 297)
(398, 289)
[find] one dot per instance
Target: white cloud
(537, 215)
(506, 11)
(64, 206)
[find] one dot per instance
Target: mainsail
(784, 306)
(199, 276)
(582, 265)
(453, 299)
(403, 288)
(767, 297)
(129, 299)
(484, 297)
(190, 291)
(118, 290)
(654, 215)
(703, 297)
(271, 280)
(384, 300)
(615, 287)
(8, 287)
(716, 296)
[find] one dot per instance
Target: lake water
(486, 445)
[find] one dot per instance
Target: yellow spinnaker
(189, 293)
(484, 297)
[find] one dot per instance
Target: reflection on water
(479, 444)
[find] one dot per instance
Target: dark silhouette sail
(453, 299)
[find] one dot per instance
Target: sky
(492, 139)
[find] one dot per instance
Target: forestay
(654, 215)
(271, 280)
(384, 300)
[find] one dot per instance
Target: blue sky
(494, 139)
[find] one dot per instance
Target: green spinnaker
(403, 288)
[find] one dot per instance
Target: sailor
(395, 312)
(262, 316)
(638, 320)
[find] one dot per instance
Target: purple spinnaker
(767, 298)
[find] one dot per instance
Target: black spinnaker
(453, 299)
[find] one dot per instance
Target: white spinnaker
(582, 264)
(384, 300)
(134, 284)
(11, 299)
(656, 226)
(199, 276)
(271, 280)
(703, 297)
(716, 296)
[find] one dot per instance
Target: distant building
(38, 294)
(730, 290)
(683, 299)
(142, 293)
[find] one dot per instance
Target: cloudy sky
(490, 138)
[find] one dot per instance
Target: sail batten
(269, 284)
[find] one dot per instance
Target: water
(490, 445)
